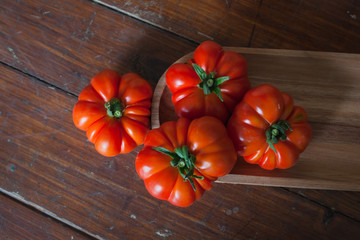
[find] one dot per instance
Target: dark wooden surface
(55, 185)
(37, 224)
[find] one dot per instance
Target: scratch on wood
(211, 212)
(137, 15)
(87, 31)
(34, 158)
(128, 3)
(109, 164)
(14, 55)
(55, 198)
(255, 22)
(37, 196)
(204, 35)
(243, 227)
(164, 233)
(222, 228)
(20, 198)
(30, 64)
(35, 16)
(153, 221)
(92, 215)
(86, 35)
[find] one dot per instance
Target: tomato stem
(114, 108)
(184, 161)
(181, 164)
(277, 131)
(209, 83)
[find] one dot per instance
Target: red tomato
(114, 111)
(267, 129)
(181, 159)
(214, 83)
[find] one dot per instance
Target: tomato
(114, 110)
(211, 85)
(268, 130)
(181, 159)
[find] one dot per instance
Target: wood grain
(334, 201)
(20, 222)
(67, 43)
(305, 25)
(46, 161)
(229, 22)
(308, 25)
(312, 79)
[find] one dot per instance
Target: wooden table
(54, 185)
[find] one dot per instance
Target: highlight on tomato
(181, 159)
(267, 129)
(211, 83)
(114, 110)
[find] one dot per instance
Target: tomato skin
(190, 100)
(214, 152)
(261, 108)
(114, 135)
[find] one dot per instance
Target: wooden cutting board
(327, 85)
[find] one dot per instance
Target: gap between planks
(49, 85)
(320, 204)
(16, 196)
(137, 18)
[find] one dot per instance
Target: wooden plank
(306, 25)
(66, 43)
(312, 78)
(46, 161)
(229, 22)
(20, 222)
(334, 200)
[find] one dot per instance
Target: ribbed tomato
(212, 84)
(114, 110)
(267, 129)
(181, 159)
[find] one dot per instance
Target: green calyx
(114, 108)
(184, 161)
(277, 132)
(208, 81)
